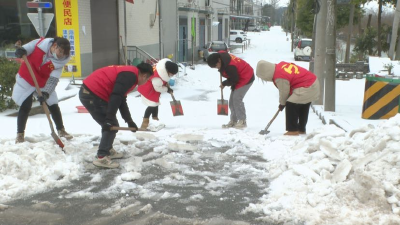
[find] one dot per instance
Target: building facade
(201, 21)
(107, 32)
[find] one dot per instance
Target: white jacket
(158, 83)
(23, 89)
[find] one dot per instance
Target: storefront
(15, 24)
(72, 20)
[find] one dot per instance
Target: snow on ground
(328, 176)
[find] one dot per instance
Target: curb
(335, 121)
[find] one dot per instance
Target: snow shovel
(266, 131)
(222, 105)
(45, 108)
(176, 107)
(123, 128)
(133, 129)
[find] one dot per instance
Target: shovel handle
(44, 106)
(222, 92)
(173, 98)
(172, 94)
(123, 128)
(272, 120)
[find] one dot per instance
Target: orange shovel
(222, 105)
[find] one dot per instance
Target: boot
(240, 124)
(105, 162)
(156, 118)
(292, 133)
(20, 138)
(228, 125)
(115, 155)
(145, 124)
(63, 133)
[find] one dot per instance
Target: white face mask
(54, 55)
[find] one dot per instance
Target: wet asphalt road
(53, 207)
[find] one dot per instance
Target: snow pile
(39, 164)
(29, 168)
(335, 178)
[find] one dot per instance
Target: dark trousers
(151, 110)
(297, 116)
(97, 108)
(26, 107)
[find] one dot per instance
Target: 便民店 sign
(68, 27)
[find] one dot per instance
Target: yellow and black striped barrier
(381, 98)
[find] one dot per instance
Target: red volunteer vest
(101, 82)
(245, 71)
(42, 72)
(147, 89)
(296, 75)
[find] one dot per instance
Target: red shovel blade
(222, 107)
(57, 140)
(176, 108)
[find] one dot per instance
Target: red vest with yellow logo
(42, 72)
(296, 75)
(147, 89)
(101, 82)
(245, 71)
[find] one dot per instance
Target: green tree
(380, 30)
(386, 31)
(8, 70)
(305, 15)
(366, 42)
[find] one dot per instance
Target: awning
(245, 17)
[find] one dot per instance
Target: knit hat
(265, 70)
(171, 67)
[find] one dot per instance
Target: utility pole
(397, 55)
(395, 28)
(319, 53)
(330, 62)
(312, 56)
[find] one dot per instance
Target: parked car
(10, 55)
(303, 49)
(253, 28)
(238, 36)
(265, 28)
(213, 47)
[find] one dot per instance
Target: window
(305, 44)
(15, 24)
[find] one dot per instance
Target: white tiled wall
(139, 31)
(85, 23)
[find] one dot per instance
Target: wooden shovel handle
(222, 92)
(272, 120)
(172, 94)
(44, 106)
(173, 98)
(123, 128)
